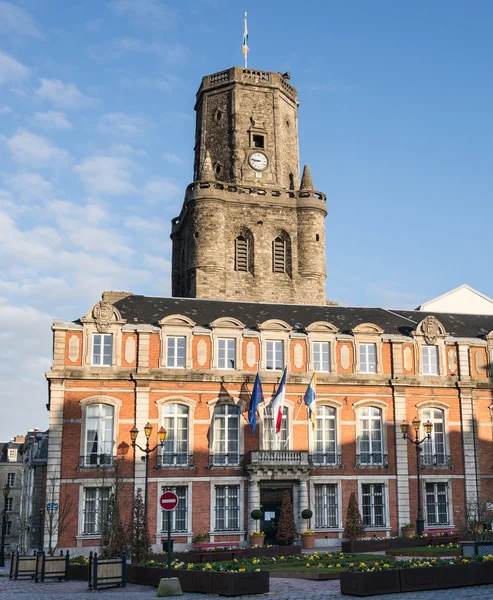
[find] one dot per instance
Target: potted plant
(286, 529)
(257, 537)
(408, 530)
(307, 536)
(200, 540)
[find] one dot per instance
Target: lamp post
(428, 426)
(134, 432)
(6, 492)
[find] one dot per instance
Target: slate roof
(149, 310)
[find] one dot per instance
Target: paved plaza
(281, 589)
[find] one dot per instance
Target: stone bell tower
(248, 229)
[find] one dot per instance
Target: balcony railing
(326, 459)
(177, 460)
(435, 460)
(97, 461)
(372, 459)
(281, 458)
(232, 459)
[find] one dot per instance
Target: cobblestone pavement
(281, 589)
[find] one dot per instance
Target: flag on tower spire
(244, 46)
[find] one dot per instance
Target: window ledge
(88, 536)
(328, 529)
(378, 528)
(231, 532)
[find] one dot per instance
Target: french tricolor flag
(278, 402)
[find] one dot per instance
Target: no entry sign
(168, 501)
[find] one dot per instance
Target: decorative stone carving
(431, 329)
(480, 362)
(452, 360)
(130, 348)
(73, 348)
(250, 354)
(298, 356)
(408, 358)
(103, 313)
(201, 352)
(345, 357)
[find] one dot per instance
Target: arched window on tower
(241, 253)
(279, 255)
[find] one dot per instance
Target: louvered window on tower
(241, 254)
(279, 255)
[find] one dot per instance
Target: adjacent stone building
(11, 475)
(248, 295)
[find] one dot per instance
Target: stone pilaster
(143, 351)
(302, 504)
(141, 418)
(54, 465)
(464, 365)
(253, 502)
(58, 349)
(401, 458)
(396, 359)
(469, 443)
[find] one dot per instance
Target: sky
(97, 135)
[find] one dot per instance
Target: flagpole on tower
(244, 46)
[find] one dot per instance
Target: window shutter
(279, 255)
(241, 254)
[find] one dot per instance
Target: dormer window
(176, 352)
(102, 349)
(12, 454)
(430, 360)
(368, 358)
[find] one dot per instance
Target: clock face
(258, 161)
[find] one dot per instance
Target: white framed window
(370, 441)
(367, 358)
(325, 439)
(373, 504)
(226, 435)
(10, 479)
(12, 454)
(175, 421)
(102, 349)
(179, 516)
(326, 510)
(226, 353)
(321, 356)
(274, 355)
(437, 504)
(430, 360)
(96, 502)
(9, 504)
(227, 508)
(176, 352)
(434, 449)
(271, 440)
(99, 428)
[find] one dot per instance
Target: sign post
(168, 502)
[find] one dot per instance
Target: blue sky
(97, 134)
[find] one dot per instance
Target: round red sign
(168, 501)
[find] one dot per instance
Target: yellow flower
(152, 561)
(307, 565)
(329, 566)
(241, 570)
(362, 564)
(338, 566)
(190, 566)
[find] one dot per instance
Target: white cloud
(29, 186)
(146, 11)
(51, 120)
(161, 190)
(16, 21)
(119, 123)
(106, 174)
(127, 150)
(165, 83)
(67, 95)
(146, 227)
(5, 109)
(12, 71)
(157, 262)
(173, 159)
(31, 149)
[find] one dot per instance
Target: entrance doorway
(270, 504)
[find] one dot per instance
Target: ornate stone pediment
(176, 321)
(321, 327)
(368, 329)
(103, 315)
(431, 329)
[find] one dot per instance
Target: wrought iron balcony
(178, 460)
(279, 458)
(435, 460)
(232, 459)
(326, 459)
(97, 461)
(372, 459)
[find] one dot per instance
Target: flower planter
(289, 550)
(425, 578)
(78, 572)
(408, 531)
(240, 584)
(307, 541)
(257, 540)
(369, 584)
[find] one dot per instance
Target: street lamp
(134, 432)
(428, 426)
(6, 492)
